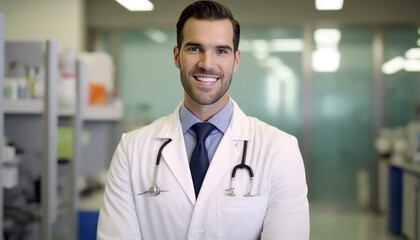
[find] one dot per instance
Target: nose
(206, 60)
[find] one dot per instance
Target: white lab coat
(279, 209)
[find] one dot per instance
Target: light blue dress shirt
(220, 120)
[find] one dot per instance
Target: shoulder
(270, 133)
(243, 125)
(147, 132)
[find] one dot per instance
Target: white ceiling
(109, 14)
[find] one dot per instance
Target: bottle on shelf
(30, 81)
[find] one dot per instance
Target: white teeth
(206, 79)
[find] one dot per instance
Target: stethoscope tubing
(154, 190)
(159, 156)
(242, 164)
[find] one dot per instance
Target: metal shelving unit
(1, 119)
(47, 122)
(77, 147)
(41, 117)
(49, 170)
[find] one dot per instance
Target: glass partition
(402, 75)
(267, 84)
(342, 141)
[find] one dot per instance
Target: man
(188, 192)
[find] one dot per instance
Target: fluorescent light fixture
(260, 45)
(394, 65)
(286, 45)
(137, 5)
(156, 35)
(327, 38)
(260, 49)
(413, 53)
(329, 4)
(412, 65)
(274, 45)
(326, 60)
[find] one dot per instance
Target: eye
(222, 51)
(194, 49)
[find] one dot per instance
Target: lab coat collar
(239, 125)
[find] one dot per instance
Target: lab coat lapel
(228, 152)
(223, 158)
(175, 156)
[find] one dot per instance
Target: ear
(236, 63)
(176, 57)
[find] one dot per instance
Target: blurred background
(345, 81)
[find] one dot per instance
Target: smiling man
(218, 173)
(207, 59)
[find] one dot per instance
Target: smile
(206, 79)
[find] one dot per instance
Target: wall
(60, 20)
(252, 13)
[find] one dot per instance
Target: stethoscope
(231, 190)
(155, 190)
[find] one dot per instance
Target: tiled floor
(348, 224)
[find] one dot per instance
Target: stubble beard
(204, 98)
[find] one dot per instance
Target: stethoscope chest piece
(154, 190)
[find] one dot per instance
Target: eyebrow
(194, 44)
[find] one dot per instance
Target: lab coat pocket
(241, 217)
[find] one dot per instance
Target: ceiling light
(413, 53)
(394, 65)
(286, 45)
(156, 35)
(137, 5)
(327, 37)
(326, 60)
(329, 4)
(412, 65)
(260, 49)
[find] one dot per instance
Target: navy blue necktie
(199, 159)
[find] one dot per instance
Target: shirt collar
(220, 120)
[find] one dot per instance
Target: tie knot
(202, 130)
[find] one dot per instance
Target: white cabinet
(411, 205)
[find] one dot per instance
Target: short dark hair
(204, 10)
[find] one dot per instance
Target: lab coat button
(197, 232)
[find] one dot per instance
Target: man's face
(206, 60)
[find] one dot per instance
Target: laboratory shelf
(112, 112)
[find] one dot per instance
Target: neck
(205, 112)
